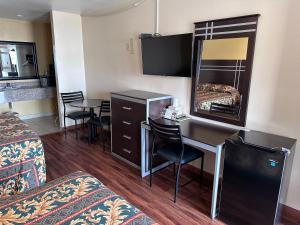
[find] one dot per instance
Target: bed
(22, 162)
(74, 199)
(209, 93)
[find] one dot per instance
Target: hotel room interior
(149, 112)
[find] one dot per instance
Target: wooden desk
(198, 134)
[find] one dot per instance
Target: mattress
(78, 198)
(22, 161)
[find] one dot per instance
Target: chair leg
(76, 128)
(95, 131)
(202, 166)
(102, 137)
(151, 159)
(174, 169)
(65, 127)
(90, 132)
(177, 182)
(83, 124)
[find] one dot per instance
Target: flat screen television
(168, 55)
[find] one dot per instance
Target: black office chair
(76, 115)
(168, 144)
(104, 119)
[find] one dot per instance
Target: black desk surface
(143, 95)
(206, 133)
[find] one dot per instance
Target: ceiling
(37, 9)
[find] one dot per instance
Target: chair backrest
(71, 97)
(105, 107)
(171, 133)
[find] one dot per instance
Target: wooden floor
(64, 156)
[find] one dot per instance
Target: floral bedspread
(22, 162)
(74, 199)
(208, 93)
(205, 99)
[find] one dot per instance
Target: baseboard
(192, 169)
(70, 122)
(33, 116)
(73, 127)
(289, 215)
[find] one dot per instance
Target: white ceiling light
(20, 15)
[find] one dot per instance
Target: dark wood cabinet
(129, 109)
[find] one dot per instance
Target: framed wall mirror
(18, 60)
(222, 66)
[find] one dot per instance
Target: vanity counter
(12, 91)
(15, 94)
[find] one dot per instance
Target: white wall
(68, 54)
(284, 118)
(273, 103)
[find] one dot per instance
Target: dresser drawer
(127, 148)
(128, 111)
(124, 140)
(126, 129)
(124, 152)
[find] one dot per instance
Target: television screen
(168, 55)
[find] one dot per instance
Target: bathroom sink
(9, 88)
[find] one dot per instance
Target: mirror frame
(33, 45)
(237, 27)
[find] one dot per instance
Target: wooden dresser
(129, 109)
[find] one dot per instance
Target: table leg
(93, 128)
(143, 151)
(216, 182)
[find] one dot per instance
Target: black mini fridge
(256, 175)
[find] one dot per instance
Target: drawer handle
(126, 150)
(127, 123)
(126, 108)
(127, 137)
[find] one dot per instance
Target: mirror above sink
(18, 60)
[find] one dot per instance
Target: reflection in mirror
(17, 60)
(219, 77)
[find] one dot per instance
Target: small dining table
(92, 104)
